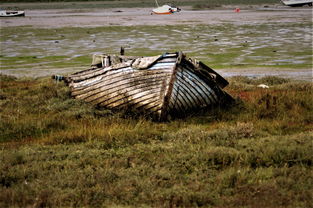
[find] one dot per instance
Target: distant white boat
(11, 13)
(165, 9)
(297, 2)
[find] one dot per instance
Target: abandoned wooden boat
(165, 86)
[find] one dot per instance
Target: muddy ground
(142, 16)
(186, 21)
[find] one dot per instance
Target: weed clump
(6, 78)
(268, 80)
(272, 80)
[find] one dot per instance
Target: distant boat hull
(6, 13)
(160, 87)
(165, 9)
(295, 3)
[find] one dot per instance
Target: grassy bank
(56, 151)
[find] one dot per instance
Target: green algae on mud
(278, 45)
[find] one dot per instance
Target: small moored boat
(11, 13)
(162, 87)
(295, 3)
(165, 9)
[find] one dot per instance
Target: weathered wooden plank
(168, 60)
(206, 81)
(205, 85)
(198, 72)
(189, 93)
(221, 82)
(154, 111)
(107, 75)
(204, 90)
(120, 72)
(146, 103)
(182, 97)
(180, 102)
(115, 89)
(192, 88)
(125, 77)
(168, 94)
(89, 75)
(85, 71)
(176, 103)
(134, 97)
(125, 63)
(130, 77)
(88, 82)
(183, 90)
(155, 108)
(101, 71)
(119, 94)
(119, 83)
(197, 91)
(161, 66)
(155, 92)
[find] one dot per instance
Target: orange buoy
(237, 10)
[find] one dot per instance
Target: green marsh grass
(59, 152)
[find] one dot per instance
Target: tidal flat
(28, 51)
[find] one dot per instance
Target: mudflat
(55, 18)
(257, 41)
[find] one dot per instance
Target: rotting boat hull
(168, 86)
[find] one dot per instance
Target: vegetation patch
(60, 152)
